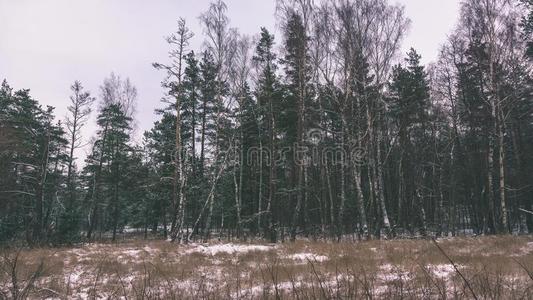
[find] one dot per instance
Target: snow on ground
(74, 277)
(389, 273)
(230, 248)
(129, 255)
(443, 271)
(86, 252)
(243, 270)
(306, 257)
(525, 250)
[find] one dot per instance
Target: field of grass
(458, 268)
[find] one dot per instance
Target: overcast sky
(47, 44)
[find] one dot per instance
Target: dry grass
(494, 268)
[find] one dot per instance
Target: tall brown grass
(483, 268)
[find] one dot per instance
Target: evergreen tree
(190, 104)
(110, 153)
(297, 72)
(207, 109)
(32, 161)
(269, 100)
(79, 111)
(408, 106)
(160, 145)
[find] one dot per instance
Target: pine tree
(408, 107)
(160, 143)
(297, 70)
(269, 101)
(79, 110)
(33, 160)
(190, 105)
(104, 164)
(207, 108)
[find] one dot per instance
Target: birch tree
(79, 111)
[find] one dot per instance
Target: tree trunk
(381, 185)
(95, 200)
(272, 176)
(360, 202)
(40, 195)
(342, 166)
(501, 161)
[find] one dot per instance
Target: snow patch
(228, 249)
(442, 271)
(74, 277)
(304, 257)
(389, 272)
(527, 249)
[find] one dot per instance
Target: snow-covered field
(493, 267)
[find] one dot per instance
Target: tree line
(326, 132)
